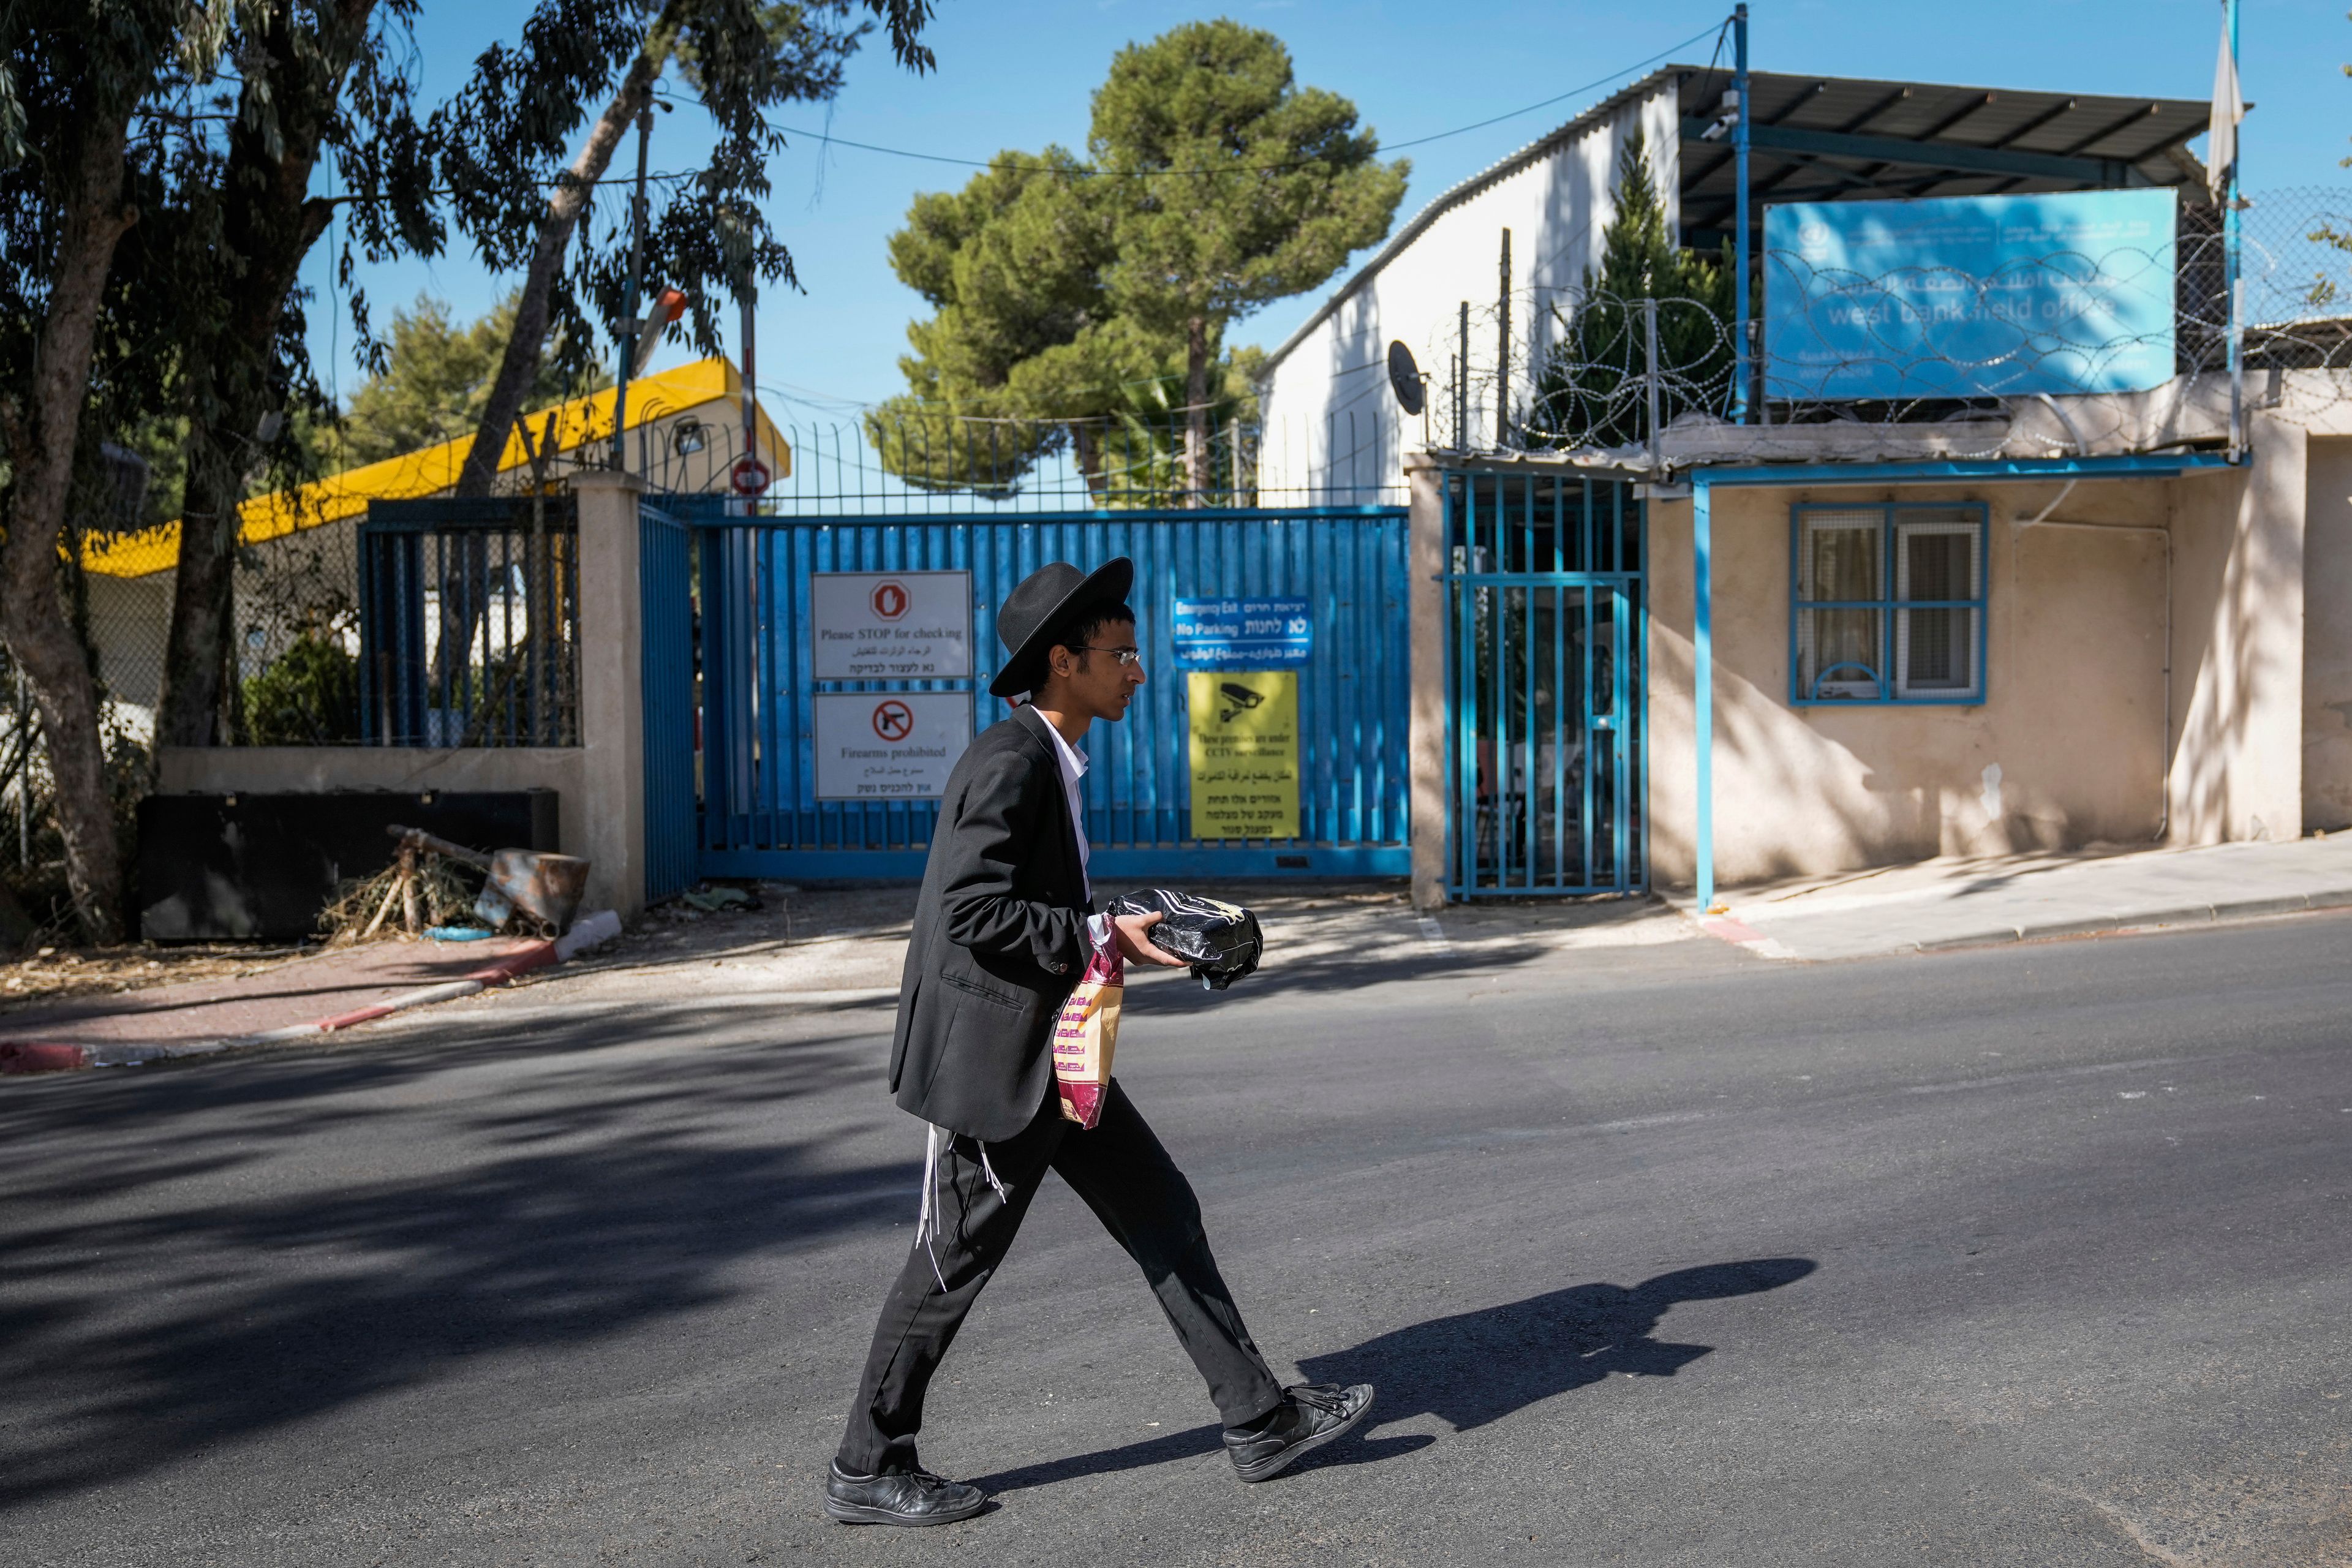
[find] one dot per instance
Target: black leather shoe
(1309, 1415)
(900, 1497)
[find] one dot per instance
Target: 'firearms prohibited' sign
(888, 745)
(890, 625)
(1244, 755)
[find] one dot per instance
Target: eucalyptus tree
(520, 191)
(436, 377)
(86, 136)
(316, 91)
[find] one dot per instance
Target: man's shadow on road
(1474, 1367)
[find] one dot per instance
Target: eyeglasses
(1126, 656)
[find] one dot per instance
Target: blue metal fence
(469, 622)
(664, 586)
(761, 815)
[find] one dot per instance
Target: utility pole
(749, 297)
(631, 326)
(1741, 327)
(1502, 346)
(2233, 279)
(1462, 385)
(1650, 380)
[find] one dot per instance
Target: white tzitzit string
(934, 1213)
(927, 1223)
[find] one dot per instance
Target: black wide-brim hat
(1034, 611)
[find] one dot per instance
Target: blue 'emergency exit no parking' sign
(1242, 634)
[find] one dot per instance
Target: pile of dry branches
(416, 891)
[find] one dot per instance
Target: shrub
(310, 696)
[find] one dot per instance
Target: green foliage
(1084, 306)
(436, 377)
(1590, 391)
(505, 141)
(1231, 186)
(308, 696)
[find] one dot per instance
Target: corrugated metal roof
(2111, 141)
(2106, 140)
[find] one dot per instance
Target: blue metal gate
(760, 812)
(666, 597)
(1546, 759)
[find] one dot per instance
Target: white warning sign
(889, 745)
(890, 625)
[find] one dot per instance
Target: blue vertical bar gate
(664, 587)
(1546, 776)
(759, 814)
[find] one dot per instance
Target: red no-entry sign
(748, 476)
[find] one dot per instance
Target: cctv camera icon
(1239, 699)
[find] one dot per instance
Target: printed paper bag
(1086, 1032)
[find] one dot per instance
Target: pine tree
(1593, 390)
(1090, 302)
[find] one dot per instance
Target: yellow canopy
(579, 423)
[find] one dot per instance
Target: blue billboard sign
(1242, 634)
(1969, 297)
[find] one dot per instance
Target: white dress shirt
(1074, 768)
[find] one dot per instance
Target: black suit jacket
(999, 939)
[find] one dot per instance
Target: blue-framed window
(1887, 602)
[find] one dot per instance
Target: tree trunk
(519, 365)
(264, 240)
(32, 614)
(1196, 410)
(1088, 461)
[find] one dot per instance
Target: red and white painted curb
(1724, 928)
(592, 932)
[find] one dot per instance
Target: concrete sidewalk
(826, 949)
(1970, 903)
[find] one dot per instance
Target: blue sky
(1018, 76)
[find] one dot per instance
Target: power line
(681, 175)
(1086, 169)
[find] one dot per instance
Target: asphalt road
(1662, 1255)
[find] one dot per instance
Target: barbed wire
(2138, 337)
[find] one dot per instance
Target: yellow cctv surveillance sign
(1244, 731)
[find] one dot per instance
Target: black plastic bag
(1220, 941)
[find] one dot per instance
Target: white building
(1333, 430)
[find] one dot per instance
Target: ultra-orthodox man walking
(1001, 935)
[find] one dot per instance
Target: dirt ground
(62, 973)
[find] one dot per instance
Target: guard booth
(832, 668)
(1545, 761)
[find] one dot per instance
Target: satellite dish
(1405, 376)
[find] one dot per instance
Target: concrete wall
(2238, 644)
(600, 783)
(1425, 600)
(1331, 425)
(2073, 718)
(611, 687)
(2327, 636)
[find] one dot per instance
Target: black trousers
(1142, 1199)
